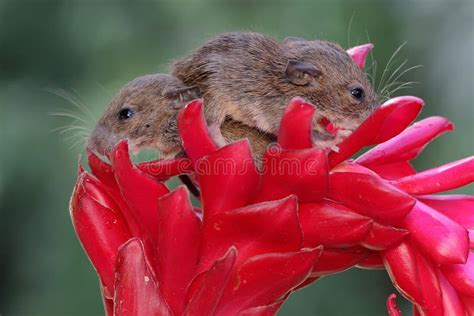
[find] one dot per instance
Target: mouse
(251, 77)
(145, 110)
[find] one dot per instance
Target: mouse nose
(101, 140)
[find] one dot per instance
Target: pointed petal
(400, 262)
(452, 305)
(178, 246)
(101, 229)
(359, 54)
(370, 196)
(461, 276)
(332, 225)
(372, 262)
(266, 310)
(392, 306)
(164, 169)
(278, 272)
(244, 229)
(458, 207)
(300, 172)
(207, 288)
(232, 173)
(432, 303)
(140, 191)
(408, 108)
(443, 178)
(412, 140)
(393, 171)
(388, 120)
(471, 238)
(136, 292)
(101, 170)
(440, 238)
(296, 125)
(108, 306)
(468, 305)
(333, 261)
(415, 277)
(194, 133)
(382, 237)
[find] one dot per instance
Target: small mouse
(145, 111)
(251, 77)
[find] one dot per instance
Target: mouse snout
(102, 140)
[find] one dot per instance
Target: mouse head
(332, 79)
(144, 112)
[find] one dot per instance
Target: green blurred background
(89, 49)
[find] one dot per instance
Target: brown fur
(156, 100)
(245, 76)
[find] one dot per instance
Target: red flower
(157, 255)
(262, 233)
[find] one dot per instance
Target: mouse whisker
(74, 101)
(388, 65)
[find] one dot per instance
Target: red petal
(371, 262)
(382, 237)
(332, 225)
(443, 240)
(264, 279)
(296, 125)
(387, 121)
(166, 168)
(359, 54)
(408, 108)
(452, 305)
(471, 239)
(227, 178)
(193, 131)
(461, 276)
(334, 261)
(392, 306)
(468, 305)
(443, 178)
(400, 262)
(412, 140)
(135, 290)
(207, 288)
(178, 247)
(108, 306)
(300, 172)
(428, 282)
(244, 229)
(370, 196)
(140, 191)
(393, 171)
(101, 230)
(267, 310)
(414, 277)
(460, 208)
(101, 170)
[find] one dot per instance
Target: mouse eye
(125, 114)
(357, 93)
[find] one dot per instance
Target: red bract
(261, 233)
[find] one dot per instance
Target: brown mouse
(144, 112)
(251, 77)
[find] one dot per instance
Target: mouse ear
(183, 95)
(301, 73)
